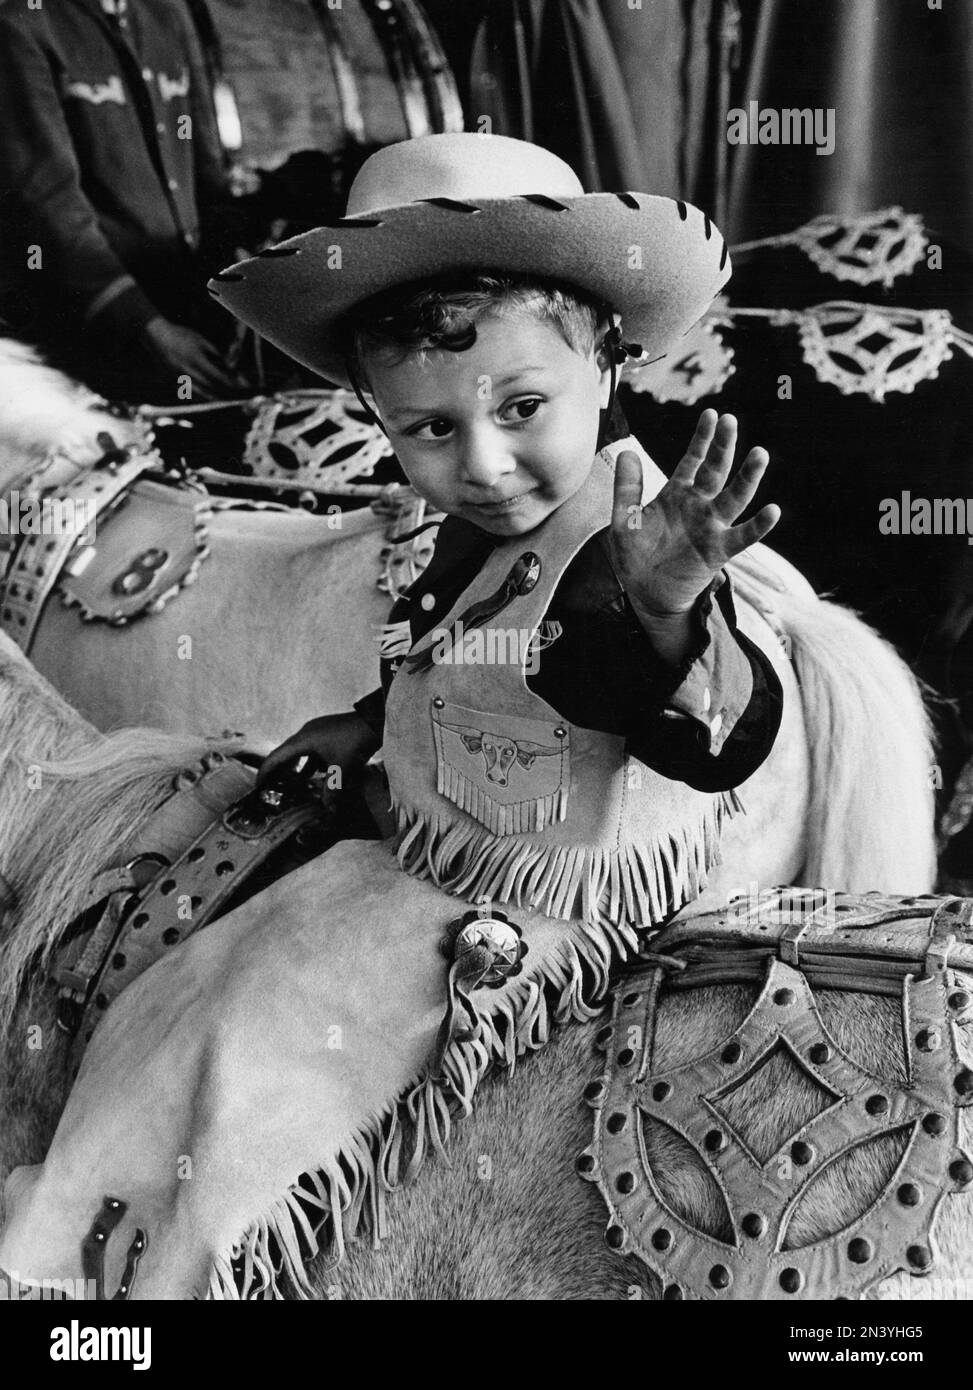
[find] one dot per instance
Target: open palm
(666, 553)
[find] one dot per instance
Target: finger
(212, 367)
(714, 470)
(685, 470)
(627, 497)
(738, 538)
(272, 764)
(739, 493)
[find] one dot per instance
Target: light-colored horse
(280, 627)
(509, 1219)
(283, 623)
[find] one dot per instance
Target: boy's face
(500, 434)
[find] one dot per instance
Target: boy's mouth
(498, 508)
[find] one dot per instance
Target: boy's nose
(486, 458)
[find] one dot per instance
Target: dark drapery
(637, 98)
(621, 93)
(899, 76)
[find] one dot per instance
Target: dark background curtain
(900, 78)
(637, 98)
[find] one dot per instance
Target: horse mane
(41, 410)
(70, 799)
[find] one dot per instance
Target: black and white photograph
(486, 663)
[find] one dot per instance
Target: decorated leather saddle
(793, 945)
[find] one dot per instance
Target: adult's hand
(181, 351)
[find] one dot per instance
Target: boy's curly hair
(442, 314)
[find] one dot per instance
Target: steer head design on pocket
(499, 753)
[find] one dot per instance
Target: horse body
(509, 1218)
(282, 625)
(109, 785)
(845, 794)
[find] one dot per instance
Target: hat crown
(464, 167)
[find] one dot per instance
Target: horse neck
(71, 799)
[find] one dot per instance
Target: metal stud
(909, 1194)
(626, 1057)
(603, 1037)
(616, 1122)
(859, 1250)
(959, 1000)
(720, 1277)
(790, 1280)
(731, 1053)
(783, 997)
(877, 1105)
(661, 1239)
(625, 1183)
(961, 1171)
(715, 1141)
(928, 1040)
(934, 1124)
(661, 1091)
(754, 1225)
(614, 1237)
(820, 1053)
(585, 1164)
(802, 1152)
(594, 1091)
(672, 1293)
(963, 1081)
(919, 1256)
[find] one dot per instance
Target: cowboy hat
(442, 203)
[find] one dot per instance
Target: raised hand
(666, 553)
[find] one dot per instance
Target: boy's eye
(524, 409)
(431, 429)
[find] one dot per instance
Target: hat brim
(658, 262)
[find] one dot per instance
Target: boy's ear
(604, 362)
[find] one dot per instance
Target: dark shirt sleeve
(371, 707)
(42, 187)
(719, 723)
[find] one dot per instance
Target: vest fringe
(639, 883)
(347, 1196)
(517, 818)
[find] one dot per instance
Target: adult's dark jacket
(108, 153)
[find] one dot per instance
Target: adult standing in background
(110, 169)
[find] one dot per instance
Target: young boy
(576, 781)
(494, 384)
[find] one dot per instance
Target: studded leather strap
(40, 559)
(185, 897)
(763, 1189)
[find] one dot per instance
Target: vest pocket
(510, 773)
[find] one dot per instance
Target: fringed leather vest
(499, 799)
